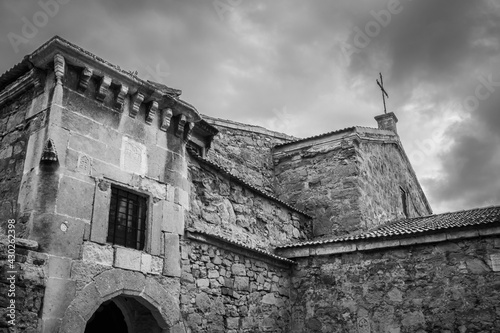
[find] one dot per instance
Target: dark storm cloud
(284, 64)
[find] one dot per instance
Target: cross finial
(384, 93)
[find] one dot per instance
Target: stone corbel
(166, 116)
(85, 79)
(189, 131)
(152, 109)
(59, 63)
(180, 126)
(49, 160)
(121, 96)
(136, 103)
(103, 88)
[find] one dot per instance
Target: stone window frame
(100, 215)
(404, 201)
(140, 200)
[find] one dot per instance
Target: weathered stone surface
(245, 149)
(345, 185)
(223, 207)
(96, 253)
(235, 300)
(172, 261)
(445, 287)
(127, 258)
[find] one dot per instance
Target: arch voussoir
(116, 282)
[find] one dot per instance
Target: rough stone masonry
(136, 212)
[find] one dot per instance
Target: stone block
(95, 149)
(51, 325)
(58, 295)
(59, 235)
(203, 283)
(423, 239)
(146, 260)
(181, 197)
(87, 301)
(495, 262)
(99, 254)
(110, 282)
(296, 252)
(233, 323)
(172, 262)
(69, 189)
(238, 269)
(100, 215)
(459, 234)
(377, 245)
(242, 283)
(173, 218)
(59, 267)
(73, 321)
(156, 265)
(156, 227)
(127, 258)
(133, 282)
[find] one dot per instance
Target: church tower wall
(245, 150)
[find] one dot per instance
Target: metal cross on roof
(384, 93)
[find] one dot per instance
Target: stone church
(133, 212)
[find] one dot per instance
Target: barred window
(127, 219)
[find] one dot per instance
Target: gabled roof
(419, 225)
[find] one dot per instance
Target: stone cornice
(108, 73)
(332, 248)
(24, 83)
(245, 127)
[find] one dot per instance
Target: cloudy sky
(307, 67)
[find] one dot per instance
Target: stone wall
(383, 172)
(245, 150)
(349, 180)
(19, 119)
(29, 289)
(224, 207)
(223, 292)
(321, 178)
(445, 287)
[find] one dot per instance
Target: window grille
(127, 219)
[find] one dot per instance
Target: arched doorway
(107, 319)
(122, 314)
(142, 300)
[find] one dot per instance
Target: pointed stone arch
(115, 282)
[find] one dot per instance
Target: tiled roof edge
(371, 235)
(347, 129)
(241, 245)
(243, 182)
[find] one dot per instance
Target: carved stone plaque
(84, 164)
(363, 325)
(495, 262)
(133, 157)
